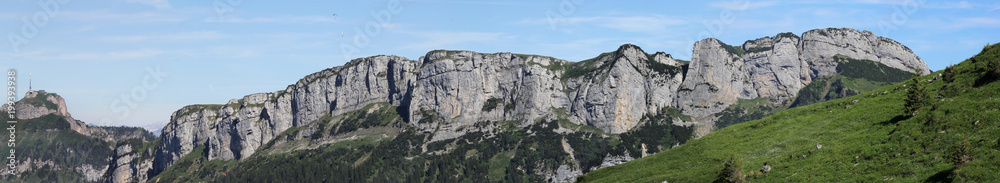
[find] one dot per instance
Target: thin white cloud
(133, 54)
(742, 5)
(175, 37)
(93, 56)
(83, 29)
(893, 2)
(106, 16)
(504, 3)
(10, 16)
(247, 53)
(956, 23)
(646, 24)
(157, 4)
(971, 22)
(443, 39)
(280, 19)
(960, 5)
(649, 24)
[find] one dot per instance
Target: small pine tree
(914, 96)
(949, 74)
(993, 68)
(961, 152)
(731, 170)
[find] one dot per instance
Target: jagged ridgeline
(453, 116)
(462, 116)
(941, 127)
(51, 146)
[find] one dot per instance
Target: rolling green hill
(952, 135)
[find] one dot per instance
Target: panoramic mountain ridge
(450, 93)
(461, 115)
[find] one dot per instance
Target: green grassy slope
(953, 136)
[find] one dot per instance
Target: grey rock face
(129, 165)
(352, 86)
(610, 160)
(779, 66)
(614, 99)
(235, 130)
(776, 69)
(455, 85)
(716, 78)
(818, 46)
(30, 111)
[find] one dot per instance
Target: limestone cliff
(779, 66)
(628, 84)
(235, 130)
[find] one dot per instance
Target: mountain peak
(37, 103)
(627, 47)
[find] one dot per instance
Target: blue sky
(200, 52)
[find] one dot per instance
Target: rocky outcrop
(129, 164)
(457, 87)
(454, 86)
(235, 130)
(352, 86)
(777, 67)
(717, 78)
(632, 84)
(818, 47)
(39, 103)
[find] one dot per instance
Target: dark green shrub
(491, 104)
(914, 96)
(961, 153)
(949, 74)
(731, 170)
